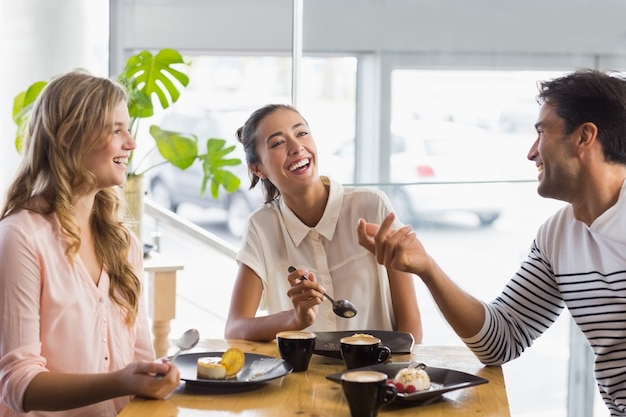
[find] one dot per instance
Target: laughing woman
(74, 333)
(309, 222)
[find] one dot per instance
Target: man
(578, 258)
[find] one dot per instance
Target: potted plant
(151, 79)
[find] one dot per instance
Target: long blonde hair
(72, 116)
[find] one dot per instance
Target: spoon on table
(187, 341)
(342, 308)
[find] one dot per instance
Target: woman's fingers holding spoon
(342, 308)
(302, 275)
(303, 288)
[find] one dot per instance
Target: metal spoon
(187, 341)
(342, 308)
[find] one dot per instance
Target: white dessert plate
(256, 370)
(328, 343)
(442, 380)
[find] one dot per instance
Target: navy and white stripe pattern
(574, 266)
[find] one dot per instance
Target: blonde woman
(73, 328)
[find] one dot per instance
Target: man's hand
(396, 249)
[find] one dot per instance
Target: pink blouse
(54, 318)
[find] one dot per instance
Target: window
(222, 93)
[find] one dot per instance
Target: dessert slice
(226, 366)
(210, 368)
(412, 379)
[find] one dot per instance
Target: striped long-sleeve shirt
(575, 266)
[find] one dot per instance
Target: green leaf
(22, 107)
(180, 149)
(214, 189)
(212, 163)
(216, 151)
(146, 74)
(229, 181)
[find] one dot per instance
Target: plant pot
(134, 191)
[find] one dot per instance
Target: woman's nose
(295, 147)
(130, 142)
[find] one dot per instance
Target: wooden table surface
(310, 394)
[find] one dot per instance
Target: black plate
(188, 366)
(442, 380)
(327, 343)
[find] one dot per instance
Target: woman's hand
(151, 379)
(306, 295)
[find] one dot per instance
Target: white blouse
(275, 239)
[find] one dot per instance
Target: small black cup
(366, 392)
(296, 348)
(363, 350)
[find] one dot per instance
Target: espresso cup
(363, 350)
(366, 392)
(296, 348)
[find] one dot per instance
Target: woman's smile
(300, 165)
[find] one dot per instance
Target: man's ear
(256, 170)
(588, 134)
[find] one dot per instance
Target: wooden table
(161, 298)
(310, 394)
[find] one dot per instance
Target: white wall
(38, 40)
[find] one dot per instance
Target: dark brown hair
(247, 136)
(591, 96)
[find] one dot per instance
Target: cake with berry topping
(412, 379)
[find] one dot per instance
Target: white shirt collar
(327, 224)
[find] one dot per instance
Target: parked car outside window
(172, 187)
(460, 160)
(438, 168)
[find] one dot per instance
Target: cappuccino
(363, 376)
(296, 347)
(294, 334)
(360, 339)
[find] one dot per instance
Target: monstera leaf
(146, 74)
